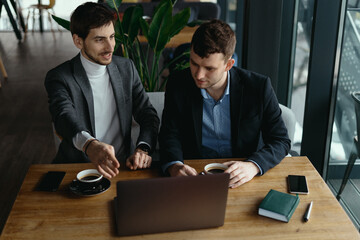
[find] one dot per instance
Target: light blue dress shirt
(216, 125)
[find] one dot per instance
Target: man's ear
(78, 41)
(229, 64)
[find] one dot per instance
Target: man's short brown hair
(88, 16)
(212, 37)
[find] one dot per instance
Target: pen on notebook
(308, 212)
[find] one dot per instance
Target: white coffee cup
(213, 168)
(89, 176)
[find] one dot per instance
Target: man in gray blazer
(93, 97)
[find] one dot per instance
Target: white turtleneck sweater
(107, 121)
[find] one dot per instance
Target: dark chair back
(199, 10)
(149, 7)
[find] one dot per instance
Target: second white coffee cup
(213, 168)
(89, 176)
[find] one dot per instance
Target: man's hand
(102, 155)
(140, 159)
(240, 172)
(179, 169)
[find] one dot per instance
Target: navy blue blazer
(257, 129)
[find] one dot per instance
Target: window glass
(302, 54)
(344, 125)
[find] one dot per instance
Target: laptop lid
(171, 204)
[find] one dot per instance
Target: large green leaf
(114, 3)
(179, 21)
(117, 44)
(160, 27)
(118, 31)
(62, 22)
(161, 4)
(120, 39)
(144, 27)
(131, 21)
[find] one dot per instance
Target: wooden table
(63, 215)
(184, 36)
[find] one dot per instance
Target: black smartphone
(297, 184)
(51, 181)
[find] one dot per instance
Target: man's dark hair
(88, 16)
(212, 37)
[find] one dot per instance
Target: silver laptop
(170, 204)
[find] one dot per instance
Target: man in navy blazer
(93, 97)
(215, 110)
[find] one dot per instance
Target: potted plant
(162, 27)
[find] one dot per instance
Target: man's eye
(194, 64)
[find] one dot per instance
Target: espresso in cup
(214, 168)
(89, 176)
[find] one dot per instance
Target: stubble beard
(95, 60)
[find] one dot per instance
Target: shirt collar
(205, 94)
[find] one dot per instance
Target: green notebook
(278, 205)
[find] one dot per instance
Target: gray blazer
(72, 108)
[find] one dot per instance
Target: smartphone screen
(297, 184)
(51, 181)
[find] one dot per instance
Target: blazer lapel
(196, 101)
(83, 81)
(236, 95)
(116, 79)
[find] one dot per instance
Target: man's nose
(109, 45)
(200, 73)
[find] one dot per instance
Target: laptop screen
(170, 204)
